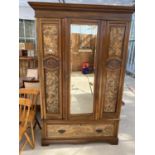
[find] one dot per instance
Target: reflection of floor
(126, 134)
(81, 93)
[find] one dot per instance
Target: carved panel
(78, 131)
(111, 91)
(116, 41)
(52, 91)
(51, 63)
(50, 39)
(113, 64)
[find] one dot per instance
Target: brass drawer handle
(99, 130)
(61, 131)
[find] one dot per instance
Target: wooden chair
(35, 84)
(24, 113)
(32, 94)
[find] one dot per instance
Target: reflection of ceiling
(113, 2)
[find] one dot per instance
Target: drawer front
(79, 130)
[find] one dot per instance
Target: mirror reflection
(83, 49)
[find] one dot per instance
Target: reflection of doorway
(83, 48)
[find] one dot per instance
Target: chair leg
(28, 139)
(34, 125)
(22, 147)
(32, 133)
(38, 122)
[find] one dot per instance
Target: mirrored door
(83, 43)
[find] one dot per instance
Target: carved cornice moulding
(82, 7)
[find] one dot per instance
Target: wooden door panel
(113, 67)
(51, 77)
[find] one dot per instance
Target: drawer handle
(61, 131)
(99, 130)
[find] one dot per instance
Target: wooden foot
(114, 141)
(43, 143)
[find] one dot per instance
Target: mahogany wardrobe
(82, 53)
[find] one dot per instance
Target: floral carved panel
(52, 91)
(51, 63)
(113, 68)
(111, 91)
(113, 64)
(50, 39)
(116, 41)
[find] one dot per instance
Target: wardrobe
(82, 53)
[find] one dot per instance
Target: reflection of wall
(82, 49)
(85, 41)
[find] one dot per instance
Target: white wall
(26, 12)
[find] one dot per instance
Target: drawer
(79, 130)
